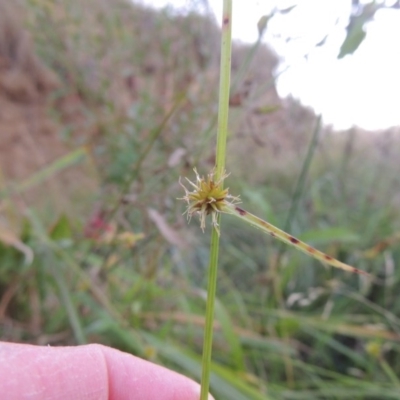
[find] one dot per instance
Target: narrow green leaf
(61, 229)
(235, 348)
(329, 235)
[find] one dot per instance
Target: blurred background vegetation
(103, 105)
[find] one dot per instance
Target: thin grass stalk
(295, 201)
(224, 88)
(66, 298)
(301, 180)
(223, 114)
(64, 291)
(154, 135)
(390, 373)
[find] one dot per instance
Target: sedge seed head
(208, 197)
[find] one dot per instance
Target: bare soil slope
(28, 138)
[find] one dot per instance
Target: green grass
(286, 328)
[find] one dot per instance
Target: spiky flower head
(208, 197)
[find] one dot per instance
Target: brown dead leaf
(10, 239)
(176, 157)
(169, 234)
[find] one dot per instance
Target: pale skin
(90, 372)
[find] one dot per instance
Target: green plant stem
(210, 305)
(301, 180)
(224, 86)
(389, 372)
(223, 113)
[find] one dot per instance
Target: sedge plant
(207, 196)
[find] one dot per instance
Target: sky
(361, 89)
